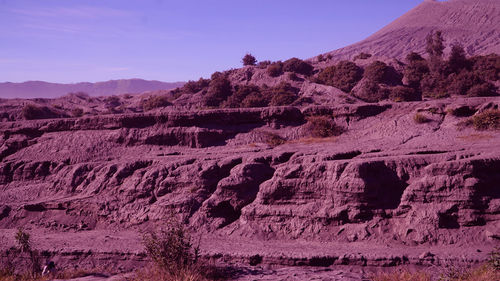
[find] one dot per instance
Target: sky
(68, 41)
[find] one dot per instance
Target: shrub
(457, 61)
(370, 91)
(292, 76)
(434, 44)
(255, 100)
(23, 240)
(77, 112)
(248, 59)
(362, 56)
(31, 112)
(345, 75)
(487, 120)
(196, 86)
(322, 127)
(282, 94)
(275, 69)
(320, 58)
(263, 64)
(274, 140)
(298, 66)
(462, 111)
(236, 100)
(155, 102)
(171, 248)
(434, 86)
(484, 89)
(487, 67)
(412, 57)
(379, 72)
(415, 70)
(420, 118)
(218, 91)
(402, 93)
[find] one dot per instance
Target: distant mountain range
(475, 24)
(40, 89)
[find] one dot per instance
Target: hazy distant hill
(473, 23)
(40, 89)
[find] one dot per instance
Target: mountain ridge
(42, 89)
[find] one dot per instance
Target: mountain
(472, 23)
(40, 89)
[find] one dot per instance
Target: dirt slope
(472, 23)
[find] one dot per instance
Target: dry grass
(311, 140)
(402, 275)
(487, 120)
(9, 275)
(485, 272)
(158, 274)
(420, 118)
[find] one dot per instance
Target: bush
(263, 64)
(484, 89)
(370, 91)
(292, 76)
(415, 70)
(171, 248)
(345, 75)
(487, 67)
(218, 91)
(457, 61)
(155, 102)
(434, 86)
(320, 58)
(362, 56)
(196, 86)
(274, 140)
(420, 118)
(255, 100)
(77, 112)
(275, 69)
(241, 93)
(298, 66)
(487, 120)
(462, 111)
(32, 112)
(322, 127)
(282, 94)
(402, 93)
(248, 59)
(379, 72)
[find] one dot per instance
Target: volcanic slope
(472, 23)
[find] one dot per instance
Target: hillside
(40, 89)
(289, 170)
(472, 23)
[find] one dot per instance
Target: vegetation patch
(322, 127)
(32, 112)
(419, 118)
(345, 75)
(487, 120)
(155, 102)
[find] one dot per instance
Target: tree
(248, 59)
(435, 49)
(435, 44)
(458, 60)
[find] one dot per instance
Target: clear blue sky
(72, 41)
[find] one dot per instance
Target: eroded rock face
(386, 178)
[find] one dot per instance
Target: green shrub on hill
(345, 75)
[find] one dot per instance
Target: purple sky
(72, 41)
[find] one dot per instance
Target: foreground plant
(174, 256)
